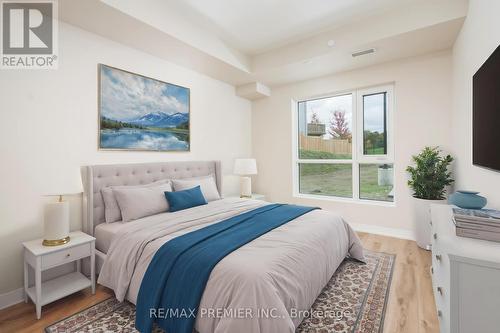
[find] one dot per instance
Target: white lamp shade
(245, 166)
(64, 181)
(56, 221)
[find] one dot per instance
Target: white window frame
(358, 156)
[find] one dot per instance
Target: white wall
(421, 117)
(48, 127)
(479, 37)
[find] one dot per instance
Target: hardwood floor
(410, 309)
(22, 318)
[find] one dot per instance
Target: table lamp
(56, 214)
(245, 167)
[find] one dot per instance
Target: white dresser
(465, 278)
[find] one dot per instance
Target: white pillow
(207, 185)
(137, 202)
(112, 212)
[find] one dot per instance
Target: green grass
(325, 155)
(322, 155)
(369, 188)
(336, 180)
(180, 133)
(326, 179)
(374, 151)
(170, 129)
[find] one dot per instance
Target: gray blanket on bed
(261, 287)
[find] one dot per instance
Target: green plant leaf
(430, 176)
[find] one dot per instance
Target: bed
(282, 271)
(97, 177)
(104, 233)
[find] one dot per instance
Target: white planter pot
(422, 221)
(385, 177)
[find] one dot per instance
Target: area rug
(353, 301)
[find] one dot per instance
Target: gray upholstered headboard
(96, 177)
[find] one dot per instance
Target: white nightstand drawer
(65, 256)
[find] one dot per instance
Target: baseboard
(17, 295)
(11, 298)
(384, 231)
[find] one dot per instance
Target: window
(344, 146)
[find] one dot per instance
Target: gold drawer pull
(440, 290)
(438, 257)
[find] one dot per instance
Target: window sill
(345, 200)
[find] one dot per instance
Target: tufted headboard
(96, 177)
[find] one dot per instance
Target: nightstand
(41, 258)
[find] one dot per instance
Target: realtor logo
(29, 34)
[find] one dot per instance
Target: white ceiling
(255, 26)
(422, 41)
(272, 42)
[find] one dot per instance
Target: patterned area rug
(353, 301)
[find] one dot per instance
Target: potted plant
(428, 180)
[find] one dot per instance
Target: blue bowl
(467, 200)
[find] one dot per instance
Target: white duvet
(261, 287)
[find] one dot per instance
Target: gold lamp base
(55, 242)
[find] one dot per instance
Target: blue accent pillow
(185, 199)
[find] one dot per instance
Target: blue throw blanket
(175, 280)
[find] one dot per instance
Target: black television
(486, 114)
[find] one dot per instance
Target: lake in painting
(139, 113)
(127, 138)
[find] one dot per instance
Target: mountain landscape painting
(140, 113)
